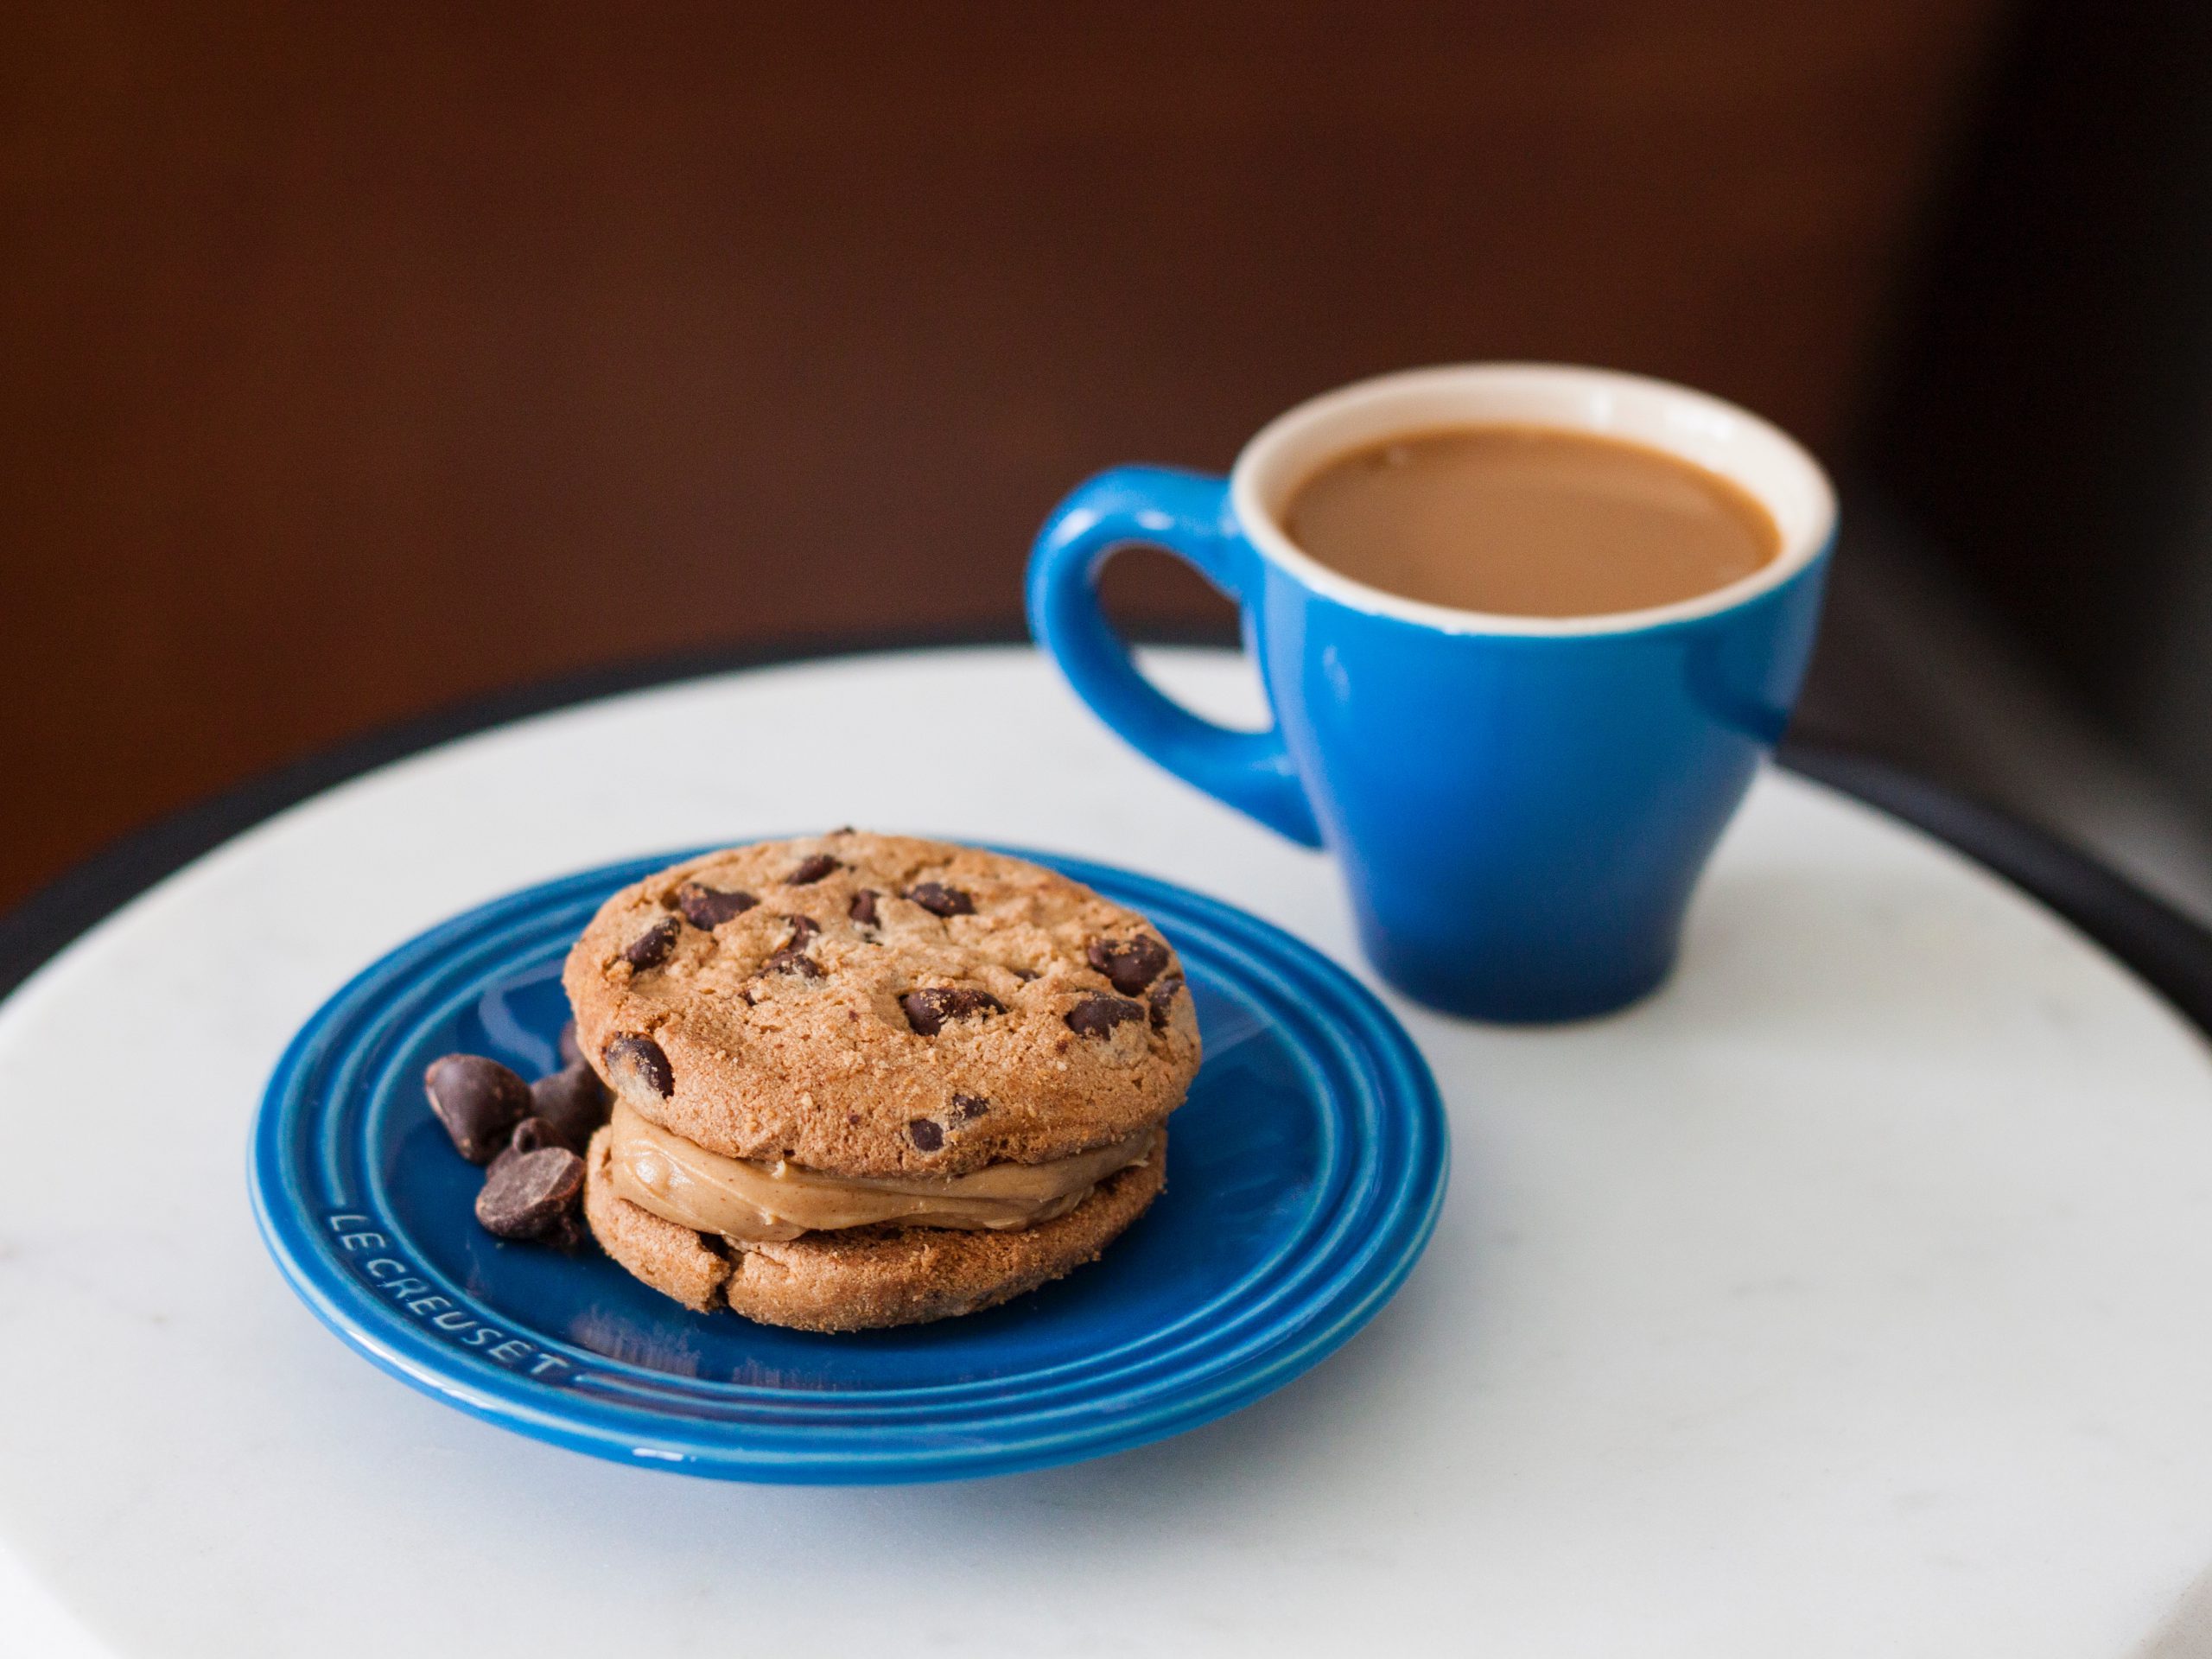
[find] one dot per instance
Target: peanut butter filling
(751, 1201)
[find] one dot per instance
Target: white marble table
(1853, 1296)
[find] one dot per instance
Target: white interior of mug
(1715, 434)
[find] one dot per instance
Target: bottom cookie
(866, 1277)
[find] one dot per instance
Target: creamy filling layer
(751, 1202)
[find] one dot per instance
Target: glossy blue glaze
(1304, 1174)
(1521, 817)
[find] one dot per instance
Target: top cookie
(878, 1005)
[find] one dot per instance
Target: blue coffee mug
(1521, 805)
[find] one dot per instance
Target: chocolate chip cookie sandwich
(863, 1080)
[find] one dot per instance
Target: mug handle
(1189, 515)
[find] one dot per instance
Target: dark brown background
(361, 358)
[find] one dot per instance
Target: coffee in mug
(1519, 520)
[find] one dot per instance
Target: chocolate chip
(812, 871)
(941, 901)
(1097, 1015)
(707, 908)
(967, 1108)
(1130, 964)
(643, 1060)
(1160, 999)
(573, 1100)
(862, 909)
(927, 1011)
(478, 1100)
(651, 947)
(534, 1135)
(527, 1196)
(531, 1134)
(570, 1050)
(792, 957)
(925, 1133)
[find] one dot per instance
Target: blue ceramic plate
(1304, 1177)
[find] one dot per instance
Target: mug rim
(1710, 429)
